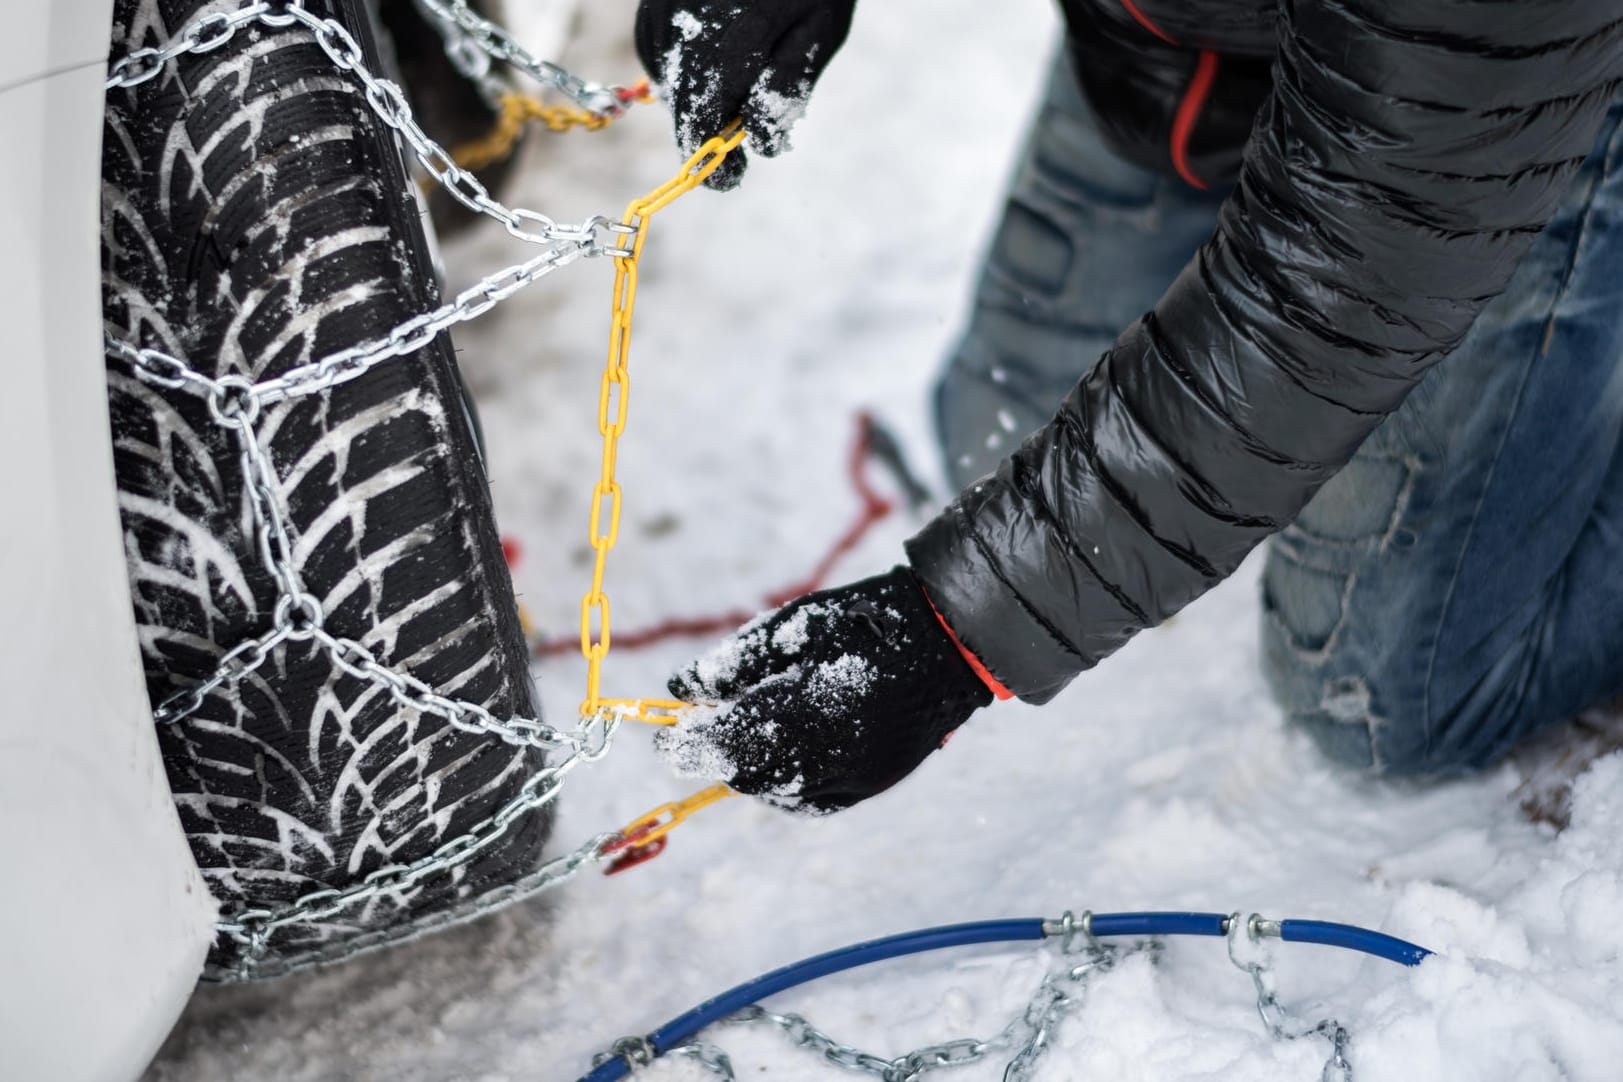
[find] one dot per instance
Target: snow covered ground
(833, 281)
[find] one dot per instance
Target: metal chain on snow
(1246, 952)
(235, 404)
(1026, 1037)
(709, 1057)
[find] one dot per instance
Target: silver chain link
(297, 616)
(388, 102)
(1246, 952)
(709, 1057)
(496, 42)
(235, 404)
(466, 58)
(238, 662)
(1027, 1036)
(203, 36)
(251, 928)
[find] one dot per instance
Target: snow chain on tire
(256, 216)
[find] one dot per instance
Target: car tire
(256, 216)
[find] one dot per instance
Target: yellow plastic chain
(518, 110)
(612, 403)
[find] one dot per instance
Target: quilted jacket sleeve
(1408, 156)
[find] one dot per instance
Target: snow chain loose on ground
(235, 404)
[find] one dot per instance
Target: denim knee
(1352, 669)
(1344, 633)
(1356, 710)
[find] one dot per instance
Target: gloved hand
(827, 701)
(717, 60)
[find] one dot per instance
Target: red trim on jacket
(1194, 97)
(974, 662)
(1183, 124)
(1144, 21)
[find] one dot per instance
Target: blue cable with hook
(1099, 925)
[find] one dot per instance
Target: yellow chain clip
(654, 825)
(613, 400)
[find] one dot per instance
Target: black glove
(718, 60)
(828, 700)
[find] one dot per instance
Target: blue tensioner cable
(1100, 925)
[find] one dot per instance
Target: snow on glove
(827, 701)
(717, 60)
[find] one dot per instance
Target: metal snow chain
(235, 404)
(594, 237)
(252, 928)
(1062, 991)
(385, 99)
(1027, 1035)
(1245, 937)
(466, 58)
(538, 790)
(205, 35)
(495, 41)
(709, 1057)
(162, 370)
(389, 103)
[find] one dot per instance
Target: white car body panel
(104, 920)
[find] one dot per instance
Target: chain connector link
(232, 402)
(278, 14)
(300, 614)
(644, 838)
(647, 711)
(636, 1051)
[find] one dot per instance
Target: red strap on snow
(874, 508)
(981, 670)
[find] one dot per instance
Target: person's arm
(1409, 154)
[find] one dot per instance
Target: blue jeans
(1460, 583)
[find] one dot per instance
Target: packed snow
(833, 280)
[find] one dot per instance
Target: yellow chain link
(519, 109)
(654, 825)
(614, 397)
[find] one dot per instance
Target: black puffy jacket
(1402, 157)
